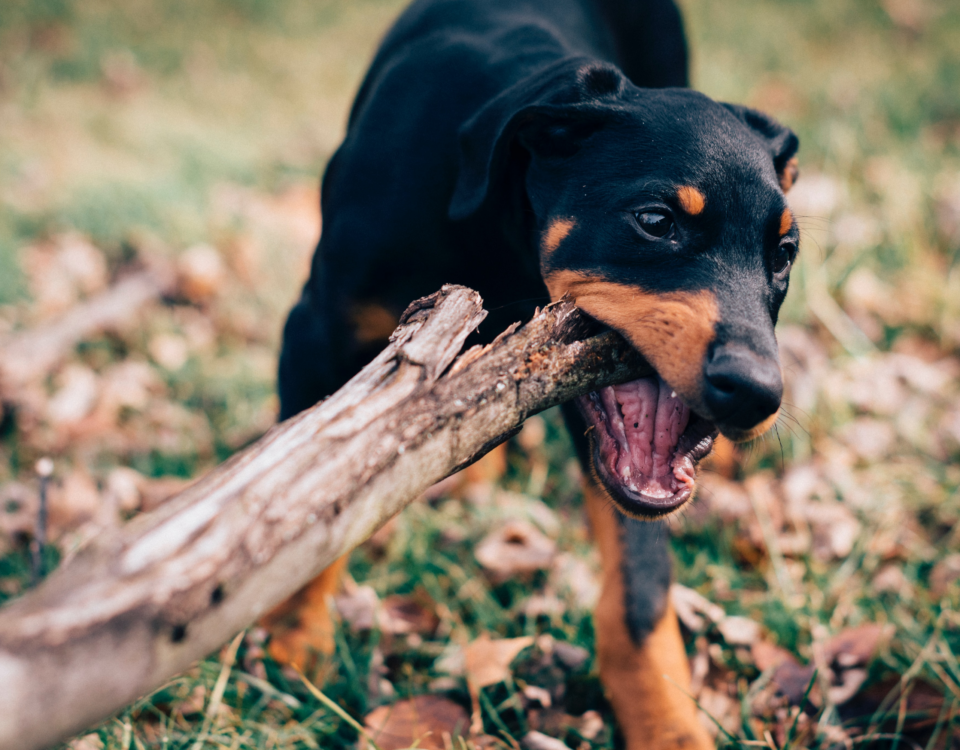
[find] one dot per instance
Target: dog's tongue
(646, 419)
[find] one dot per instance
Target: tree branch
(141, 604)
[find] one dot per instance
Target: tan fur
(789, 174)
(754, 432)
(372, 322)
(671, 330)
(786, 221)
(644, 684)
(555, 233)
(691, 200)
(301, 628)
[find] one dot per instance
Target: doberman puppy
(532, 149)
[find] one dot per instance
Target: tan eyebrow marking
(691, 200)
(786, 221)
(555, 233)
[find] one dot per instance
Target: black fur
(646, 574)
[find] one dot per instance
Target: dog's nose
(741, 388)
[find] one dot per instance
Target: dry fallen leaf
(945, 573)
(87, 742)
(515, 549)
(847, 656)
(428, 722)
(540, 741)
(72, 503)
(718, 707)
(76, 395)
(201, 272)
(739, 631)
(357, 605)
(487, 662)
(169, 350)
(692, 608)
(577, 578)
(61, 271)
(402, 615)
(766, 655)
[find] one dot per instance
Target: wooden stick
(141, 604)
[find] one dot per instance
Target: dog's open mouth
(646, 444)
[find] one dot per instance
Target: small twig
(44, 469)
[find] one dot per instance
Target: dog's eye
(785, 255)
(655, 224)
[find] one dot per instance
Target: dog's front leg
(643, 664)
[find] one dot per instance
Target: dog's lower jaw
(645, 445)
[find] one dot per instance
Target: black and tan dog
(535, 148)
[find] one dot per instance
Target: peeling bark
(141, 604)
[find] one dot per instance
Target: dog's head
(662, 214)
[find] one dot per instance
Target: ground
(817, 570)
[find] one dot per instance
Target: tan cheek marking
(646, 684)
(372, 322)
(671, 330)
(754, 432)
(790, 173)
(691, 200)
(555, 233)
(786, 221)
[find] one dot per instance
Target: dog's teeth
(626, 474)
(673, 394)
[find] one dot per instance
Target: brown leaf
(74, 502)
(357, 605)
(487, 662)
(718, 707)
(855, 646)
(429, 721)
(540, 741)
(944, 574)
(515, 549)
(401, 615)
(766, 655)
(692, 608)
(76, 396)
(201, 272)
(574, 576)
(848, 654)
(87, 742)
(792, 680)
(739, 631)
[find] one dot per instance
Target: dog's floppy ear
(782, 142)
(548, 114)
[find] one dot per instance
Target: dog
(536, 149)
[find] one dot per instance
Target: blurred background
(159, 169)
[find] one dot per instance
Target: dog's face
(662, 214)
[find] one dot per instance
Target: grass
(150, 127)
